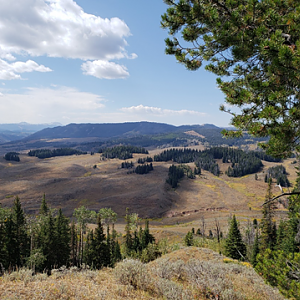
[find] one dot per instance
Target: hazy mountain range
(90, 137)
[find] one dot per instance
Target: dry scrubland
(71, 181)
(188, 273)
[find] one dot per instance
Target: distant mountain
(92, 137)
(108, 130)
(25, 127)
(18, 131)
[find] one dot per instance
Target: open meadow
(72, 181)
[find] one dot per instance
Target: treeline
(138, 242)
(181, 156)
(246, 164)
(46, 153)
(279, 173)
(145, 159)
(207, 163)
(127, 165)
(276, 249)
(48, 240)
(175, 173)
(12, 156)
(144, 169)
(122, 152)
(264, 156)
(242, 163)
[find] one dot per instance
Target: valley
(72, 181)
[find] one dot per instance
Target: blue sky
(95, 61)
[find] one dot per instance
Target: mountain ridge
(110, 130)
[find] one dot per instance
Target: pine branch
(283, 194)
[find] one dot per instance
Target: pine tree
(11, 243)
(115, 247)
(62, 239)
(89, 252)
(19, 231)
(128, 237)
(48, 243)
(146, 237)
(4, 214)
(234, 245)
(252, 46)
(255, 250)
(268, 231)
(44, 209)
(101, 250)
(189, 239)
(74, 244)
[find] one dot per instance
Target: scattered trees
(122, 152)
(280, 174)
(46, 153)
(144, 169)
(12, 156)
(175, 173)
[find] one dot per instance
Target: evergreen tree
(4, 214)
(146, 237)
(48, 243)
(115, 248)
(74, 244)
(255, 250)
(89, 251)
(101, 251)
(63, 238)
(19, 235)
(128, 237)
(282, 242)
(189, 239)
(44, 209)
(234, 245)
(268, 231)
(253, 47)
(11, 243)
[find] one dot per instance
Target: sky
(96, 61)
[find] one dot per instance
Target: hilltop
(89, 137)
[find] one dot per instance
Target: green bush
(281, 270)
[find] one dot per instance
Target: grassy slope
(171, 276)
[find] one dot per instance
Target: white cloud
(104, 69)
(38, 105)
(60, 28)
(11, 71)
(141, 109)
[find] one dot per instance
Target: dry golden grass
(70, 182)
(188, 273)
(82, 285)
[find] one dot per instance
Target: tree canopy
(253, 46)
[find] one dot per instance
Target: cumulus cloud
(40, 105)
(60, 28)
(141, 109)
(12, 71)
(104, 69)
(69, 105)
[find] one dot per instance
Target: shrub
(133, 272)
(171, 290)
(151, 252)
(188, 240)
(167, 269)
